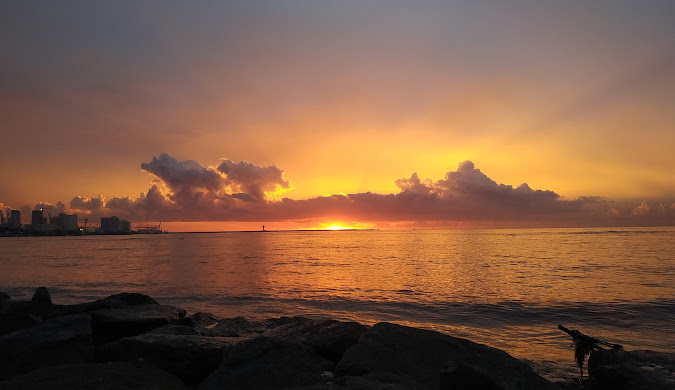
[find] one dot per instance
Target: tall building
(14, 222)
(114, 225)
(36, 217)
(110, 225)
(64, 223)
(68, 222)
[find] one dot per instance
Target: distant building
(69, 222)
(114, 225)
(125, 226)
(36, 218)
(64, 223)
(14, 221)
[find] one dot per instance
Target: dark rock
(41, 297)
(330, 338)
(17, 315)
(235, 327)
(57, 341)
(107, 376)
(267, 363)
(458, 376)
(190, 357)
(418, 356)
(113, 324)
(175, 330)
(115, 301)
(199, 320)
(4, 302)
(271, 323)
(634, 370)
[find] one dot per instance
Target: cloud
(189, 191)
(252, 179)
(87, 205)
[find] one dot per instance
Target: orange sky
(344, 97)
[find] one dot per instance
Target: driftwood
(585, 345)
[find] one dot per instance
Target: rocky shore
(130, 341)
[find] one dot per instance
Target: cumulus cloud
(252, 179)
(87, 205)
(189, 191)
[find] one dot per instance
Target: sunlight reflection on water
(506, 288)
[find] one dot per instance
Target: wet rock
(57, 341)
(634, 370)
(418, 356)
(41, 297)
(115, 301)
(330, 338)
(113, 324)
(199, 320)
(267, 363)
(190, 357)
(107, 376)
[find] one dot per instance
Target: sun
(337, 227)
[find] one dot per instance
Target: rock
(330, 338)
(459, 376)
(115, 301)
(418, 356)
(41, 297)
(4, 302)
(53, 342)
(235, 327)
(107, 376)
(113, 324)
(190, 357)
(16, 317)
(199, 320)
(267, 363)
(175, 330)
(634, 370)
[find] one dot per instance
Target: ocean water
(505, 288)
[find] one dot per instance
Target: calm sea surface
(505, 288)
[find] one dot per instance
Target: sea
(509, 289)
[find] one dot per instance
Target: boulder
(107, 376)
(115, 301)
(460, 376)
(330, 338)
(176, 330)
(13, 320)
(267, 363)
(4, 302)
(58, 341)
(634, 370)
(113, 324)
(418, 356)
(235, 327)
(41, 297)
(199, 320)
(190, 357)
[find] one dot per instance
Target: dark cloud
(189, 191)
(87, 205)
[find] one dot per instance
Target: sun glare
(337, 227)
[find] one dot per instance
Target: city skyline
(312, 114)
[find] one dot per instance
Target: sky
(299, 114)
